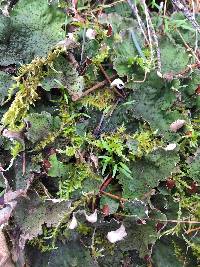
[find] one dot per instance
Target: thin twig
(109, 81)
(170, 76)
(104, 73)
(185, 71)
(196, 32)
(117, 92)
(113, 196)
(192, 230)
(165, 8)
(159, 220)
(180, 221)
(187, 46)
(141, 81)
(23, 163)
(140, 23)
(150, 28)
(93, 88)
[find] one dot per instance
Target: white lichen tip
(118, 83)
(92, 218)
(117, 235)
(170, 147)
(90, 34)
(74, 223)
(176, 125)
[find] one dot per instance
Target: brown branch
(192, 230)
(113, 196)
(117, 92)
(93, 88)
(189, 68)
(170, 76)
(104, 73)
(109, 81)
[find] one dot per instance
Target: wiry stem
(140, 23)
(151, 31)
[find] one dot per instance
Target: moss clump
(27, 82)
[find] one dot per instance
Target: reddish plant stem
(105, 183)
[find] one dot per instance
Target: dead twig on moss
(192, 230)
(109, 81)
(93, 88)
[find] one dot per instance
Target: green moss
(74, 178)
(16, 148)
(28, 80)
(99, 100)
(83, 229)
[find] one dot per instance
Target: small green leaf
(57, 168)
(125, 167)
(114, 170)
(123, 171)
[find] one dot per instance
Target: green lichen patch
(32, 28)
